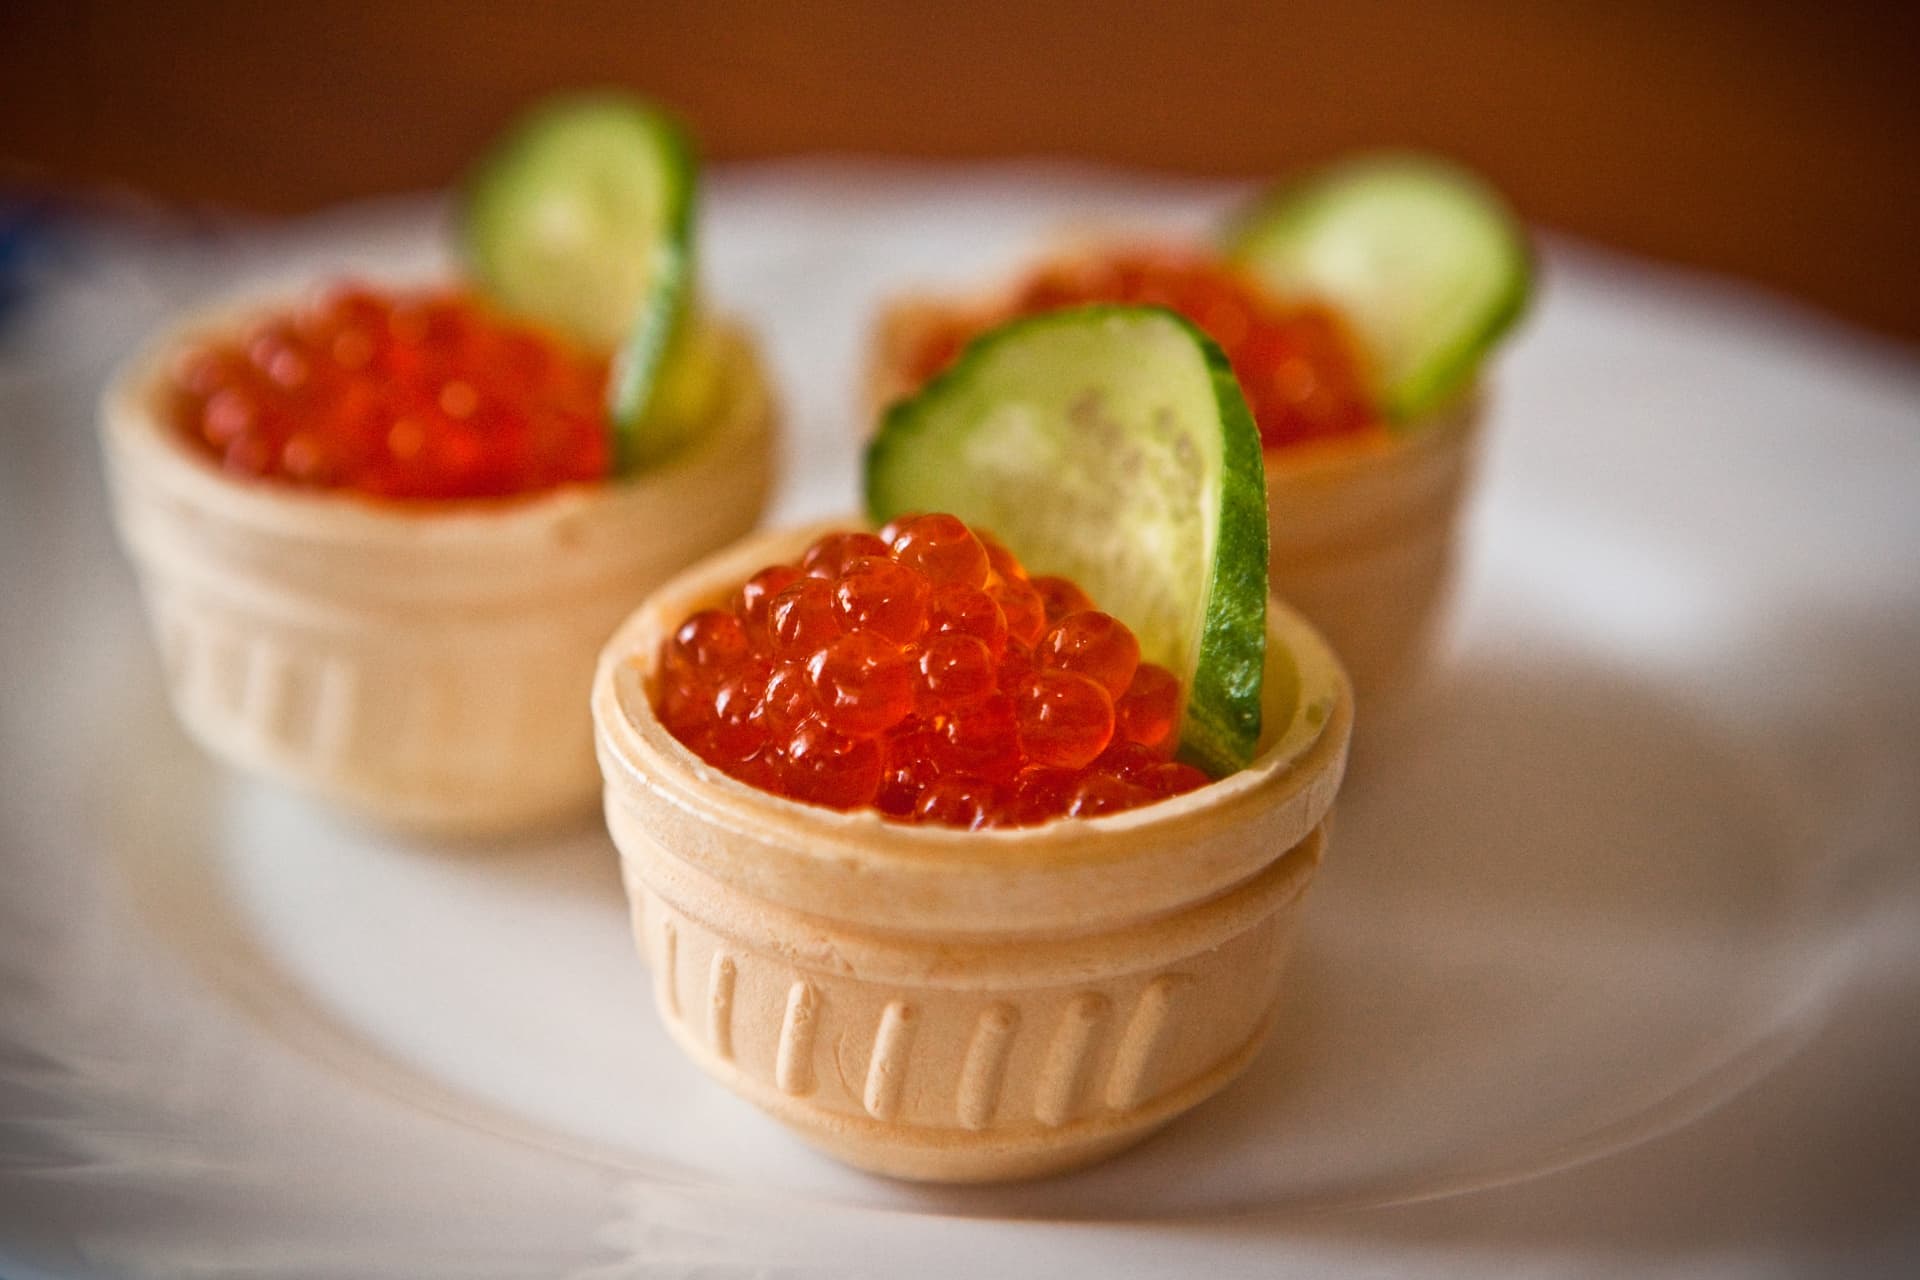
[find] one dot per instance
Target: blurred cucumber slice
(1421, 258)
(582, 218)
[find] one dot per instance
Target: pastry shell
(421, 664)
(962, 1006)
(1363, 533)
(1363, 538)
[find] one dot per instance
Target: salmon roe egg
(982, 739)
(787, 701)
(924, 674)
(968, 611)
(958, 801)
(706, 647)
(736, 733)
(955, 671)
(1126, 759)
(1001, 559)
(1060, 597)
(915, 760)
(1146, 712)
(1100, 793)
(1065, 719)
(1093, 644)
(943, 549)
(862, 683)
(1170, 778)
(833, 553)
(427, 395)
(757, 592)
(802, 617)
(822, 767)
(874, 593)
(1021, 606)
(1040, 792)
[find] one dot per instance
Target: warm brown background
(1775, 140)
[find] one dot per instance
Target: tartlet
(964, 1006)
(1362, 529)
(421, 663)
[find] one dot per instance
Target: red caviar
(920, 672)
(414, 395)
(1297, 364)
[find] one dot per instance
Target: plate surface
(1588, 880)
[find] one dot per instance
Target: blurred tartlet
(419, 661)
(381, 533)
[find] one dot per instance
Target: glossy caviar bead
(943, 549)
(396, 396)
(685, 710)
(705, 649)
(913, 760)
(1170, 778)
(801, 618)
(1016, 660)
(1064, 719)
(876, 594)
(737, 734)
(967, 611)
(1060, 597)
(822, 767)
(1099, 793)
(871, 686)
(830, 556)
(1040, 792)
(862, 684)
(787, 702)
(1002, 560)
(958, 801)
(1146, 712)
(1093, 644)
(757, 593)
(1126, 759)
(983, 739)
(1021, 606)
(954, 671)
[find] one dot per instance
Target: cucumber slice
(582, 219)
(1423, 259)
(1110, 444)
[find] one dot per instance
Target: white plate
(1586, 884)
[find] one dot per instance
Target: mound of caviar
(412, 396)
(1300, 370)
(922, 672)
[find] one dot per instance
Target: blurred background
(1775, 141)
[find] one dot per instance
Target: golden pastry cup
(962, 1006)
(1363, 533)
(421, 664)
